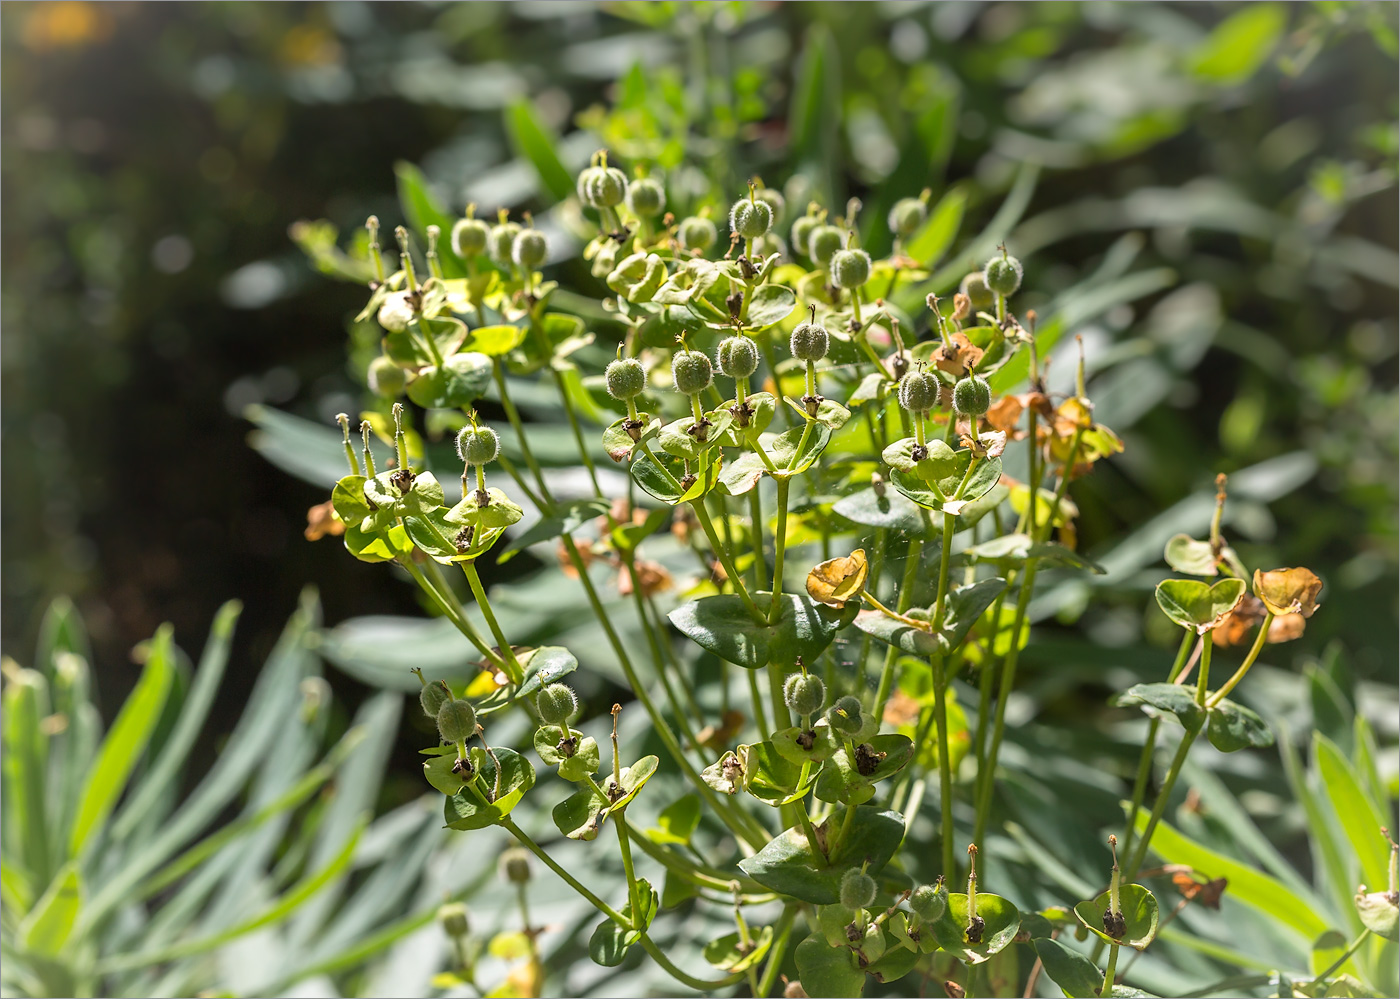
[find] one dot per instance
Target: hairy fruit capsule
(469, 237)
(556, 703)
(602, 187)
(514, 865)
(929, 902)
(751, 219)
(857, 889)
(738, 356)
(799, 233)
(775, 200)
(478, 445)
(646, 197)
(529, 249)
(972, 396)
(907, 215)
(433, 696)
(918, 391)
(850, 268)
(452, 917)
(823, 243)
(456, 720)
(697, 233)
(809, 342)
(974, 286)
(691, 372)
(500, 242)
(1003, 275)
(804, 693)
(625, 378)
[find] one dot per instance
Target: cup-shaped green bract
(386, 378)
(469, 237)
(751, 218)
(478, 445)
(396, 312)
(844, 716)
(697, 233)
(857, 889)
(918, 391)
(972, 396)
(602, 187)
(804, 693)
(433, 696)
(529, 249)
(456, 720)
(514, 866)
(850, 268)
(452, 917)
(800, 232)
(556, 703)
(625, 378)
(646, 197)
(1003, 275)
(823, 243)
(974, 286)
(809, 342)
(738, 356)
(907, 215)
(691, 372)
(500, 242)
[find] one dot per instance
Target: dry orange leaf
(321, 520)
(838, 580)
(1288, 591)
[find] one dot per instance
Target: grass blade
(532, 141)
(47, 927)
(1361, 820)
(25, 703)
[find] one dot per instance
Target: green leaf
(677, 822)
(722, 625)
(438, 772)
(580, 815)
(1240, 45)
(495, 341)
(965, 604)
(829, 412)
(770, 305)
(610, 942)
(882, 508)
(1197, 606)
(769, 775)
(409, 349)
(1165, 697)
(545, 665)
(1139, 908)
(1231, 726)
(762, 407)
(728, 953)
(676, 439)
(1195, 558)
(1379, 914)
(1015, 549)
(25, 760)
(421, 209)
(48, 925)
(348, 498)
(618, 442)
(937, 482)
(825, 970)
(1360, 819)
(464, 810)
(928, 245)
(565, 519)
(900, 634)
(842, 780)
(661, 474)
(1247, 885)
(630, 782)
(786, 865)
(463, 379)
(1074, 973)
(124, 744)
(1000, 923)
(531, 141)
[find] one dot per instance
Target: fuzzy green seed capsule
(907, 215)
(974, 286)
(556, 703)
(646, 198)
(500, 241)
(529, 249)
(850, 268)
(972, 396)
(844, 717)
(809, 342)
(469, 237)
(478, 445)
(514, 866)
(386, 378)
(918, 391)
(751, 219)
(452, 917)
(857, 889)
(396, 312)
(1003, 275)
(625, 378)
(738, 356)
(823, 243)
(804, 693)
(433, 696)
(929, 902)
(602, 187)
(775, 200)
(456, 720)
(697, 233)
(691, 372)
(800, 232)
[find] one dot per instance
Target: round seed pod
(529, 249)
(456, 720)
(775, 200)
(823, 243)
(625, 378)
(697, 233)
(386, 378)
(514, 866)
(804, 693)
(850, 268)
(738, 356)
(646, 197)
(433, 696)
(974, 286)
(556, 703)
(605, 187)
(500, 241)
(918, 391)
(396, 312)
(857, 889)
(972, 396)
(691, 372)
(1003, 275)
(907, 215)
(478, 445)
(929, 902)
(801, 230)
(469, 237)
(751, 219)
(809, 342)
(844, 717)
(585, 182)
(452, 917)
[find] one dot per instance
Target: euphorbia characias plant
(775, 396)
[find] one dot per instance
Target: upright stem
(1203, 676)
(756, 698)
(1008, 678)
(509, 824)
(620, 824)
(448, 603)
(514, 417)
(906, 597)
(1254, 651)
(1163, 795)
(722, 553)
(1149, 749)
(940, 706)
(779, 543)
(760, 564)
(578, 431)
(513, 667)
(1111, 971)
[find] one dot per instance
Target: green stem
(1203, 676)
(1149, 749)
(1163, 795)
(453, 611)
(509, 824)
(775, 956)
(1346, 956)
(756, 697)
(906, 598)
(1008, 678)
(513, 668)
(699, 874)
(1254, 651)
(779, 544)
(760, 563)
(514, 417)
(945, 769)
(690, 981)
(722, 553)
(620, 824)
(578, 431)
(1111, 971)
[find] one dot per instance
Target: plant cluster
(809, 796)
